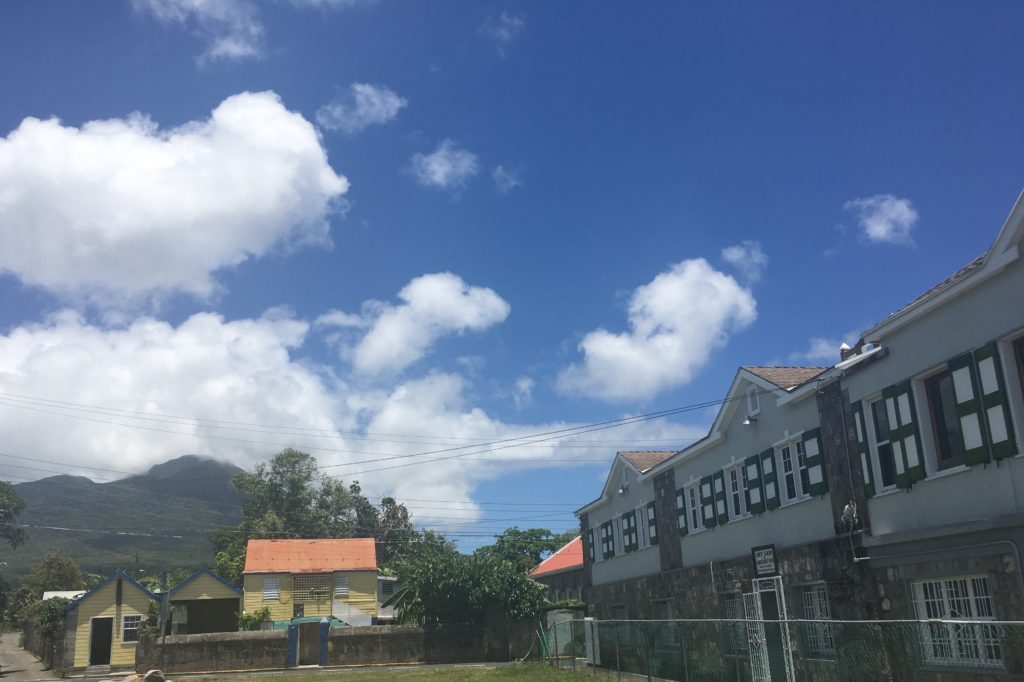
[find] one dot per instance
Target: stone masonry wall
(665, 514)
(843, 468)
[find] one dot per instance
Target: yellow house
(204, 602)
(104, 624)
(306, 579)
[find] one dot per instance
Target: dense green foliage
(252, 620)
(56, 572)
(439, 585)
(290, 498)
(10, 507)
(526, 548)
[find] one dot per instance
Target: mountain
(145, 524)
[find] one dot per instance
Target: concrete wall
(260, 650)
(268, 649)
(639, 492)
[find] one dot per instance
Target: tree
(10, 506)
(439, 585)
(290, 498)
(525, 548)
(56, 572)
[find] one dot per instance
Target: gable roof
(1001, 253)
(201, 572)
(567, 558)
(310, 556)
(645, 460)
(786, 378)
(120, 574)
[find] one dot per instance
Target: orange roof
(310, 556)
(567, 558)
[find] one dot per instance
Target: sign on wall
(764, 561)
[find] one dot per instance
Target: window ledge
(951, 471)
(793, 503)
(886, 493)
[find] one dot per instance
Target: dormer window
(753, 404)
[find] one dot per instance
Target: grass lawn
(535, 672)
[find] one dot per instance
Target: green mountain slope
(144, 524)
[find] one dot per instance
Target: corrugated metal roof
(310, 556)
(570, 556)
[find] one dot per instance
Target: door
(309, 643)
(772, 608)
(100, 640)
(759, 671)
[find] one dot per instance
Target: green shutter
(707, 502)
(968, 409)
(591, 553)
(862, 448)
(681, 512)
(629, 532)
(994, 403)
(903, 434)
(753, 489)
(770, 479)
(814, 457)
(721, 499)
(652, 524)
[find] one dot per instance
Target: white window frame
(694, 509)
(341, 585)
(874, 443)
(1014, 390)
(796, 450)
(950, 644)
(271, 589)
(736, 492)
(137, 627)
(630, 532)
(819, 639)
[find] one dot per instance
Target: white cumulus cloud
(122, 208)
(506, 180)
(432, 306)
(503, 30)
(242, 390)
(748, 258)
(368, 105)
(884, 218)
(447, 167)
(231, 29)
(675, 322)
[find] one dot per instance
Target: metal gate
(760, 661)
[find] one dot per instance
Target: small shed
(205, 602)
(103, 625)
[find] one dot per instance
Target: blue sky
(869, 150)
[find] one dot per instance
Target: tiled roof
(786, 378)
(310, 556)
(568, 557)
(645, 460)
(938, 288)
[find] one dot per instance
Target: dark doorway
(309, 643)
(298, 610)
(100, 640)
(773, 635)
(207, 615)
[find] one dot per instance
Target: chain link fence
(788, 651)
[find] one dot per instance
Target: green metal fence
(788, 651)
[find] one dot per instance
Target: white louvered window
(819, 639)
(341, 585)
(693, 503)
(884, 455)
(271, 589)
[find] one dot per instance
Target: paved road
(18, 665)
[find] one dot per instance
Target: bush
(253, 620)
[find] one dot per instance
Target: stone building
(887, 486)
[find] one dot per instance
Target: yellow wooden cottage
(312, 579)
(104, 624)
(202, 603)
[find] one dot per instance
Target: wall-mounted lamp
(749, 420)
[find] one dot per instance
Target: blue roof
(201, 572)
(119, 574)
